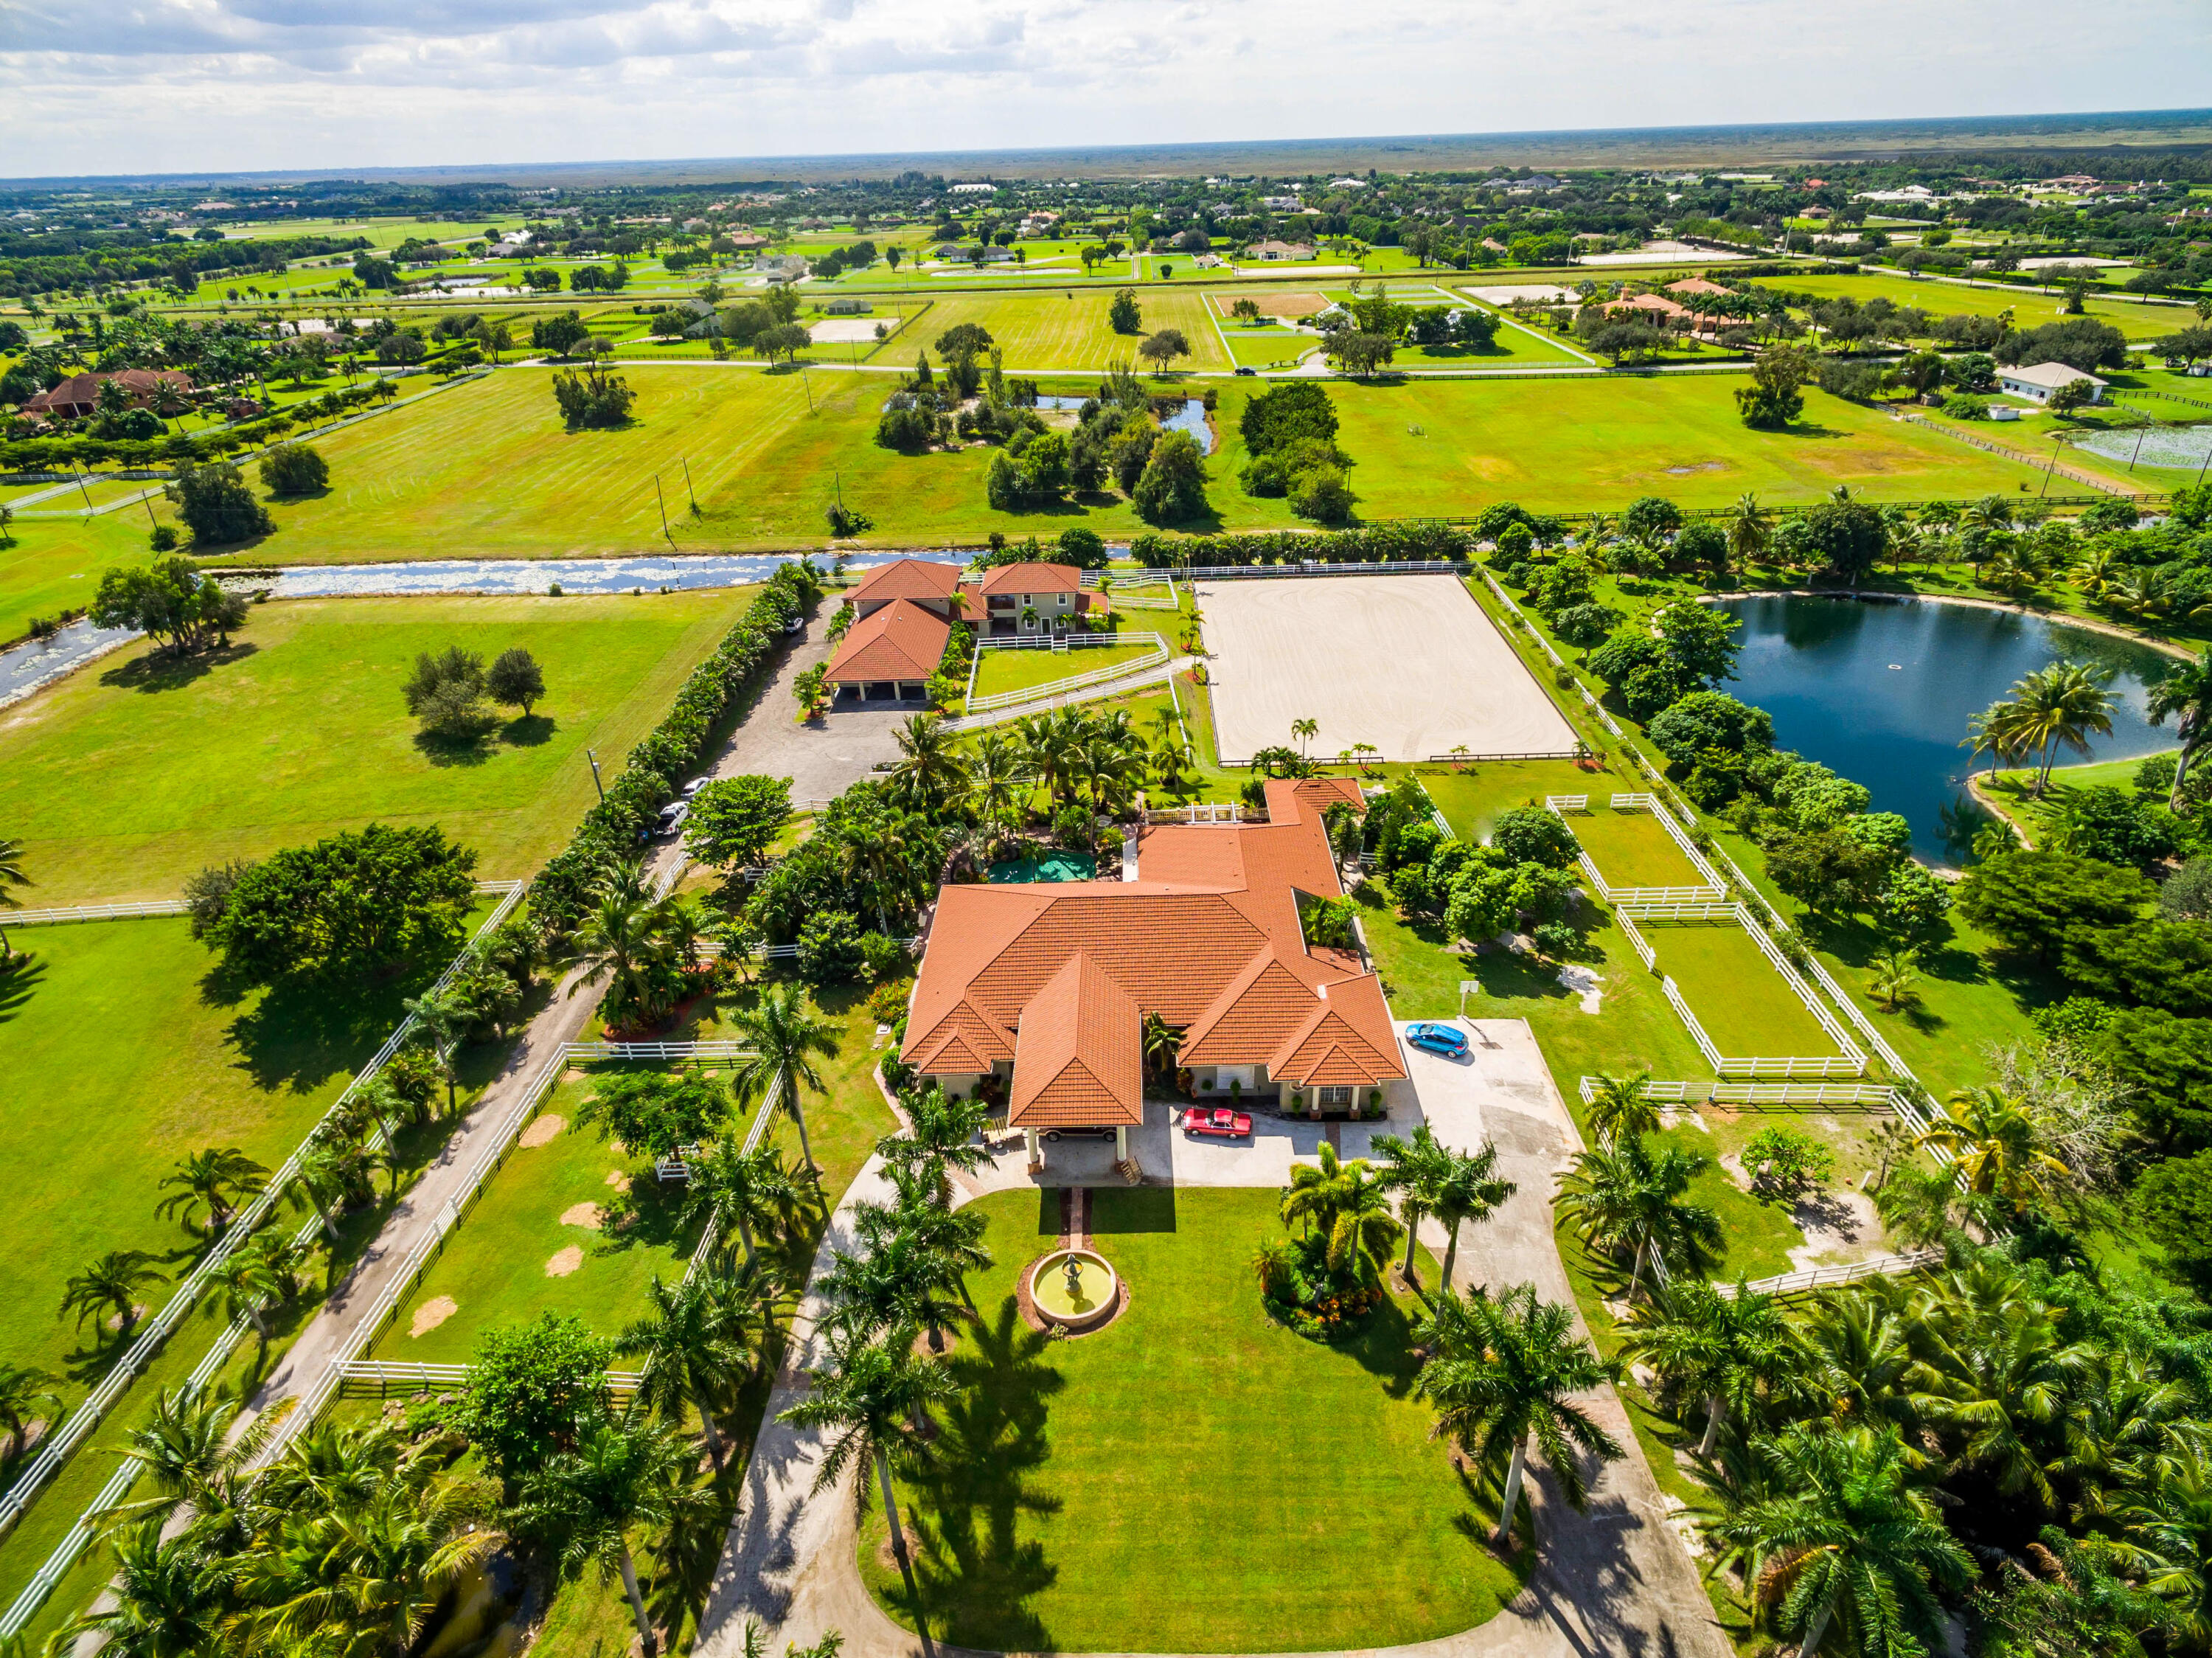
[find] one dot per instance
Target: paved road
(1613, 1581)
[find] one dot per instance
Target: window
(1336, 1099)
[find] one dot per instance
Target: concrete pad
(1409, 663)
(839, 331)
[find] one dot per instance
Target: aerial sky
(159, 86)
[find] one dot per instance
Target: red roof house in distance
(78, 396)
(1033, 598)
(1047, 985)
(929, 582)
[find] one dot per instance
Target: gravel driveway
(823, 757)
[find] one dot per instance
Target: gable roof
(901, 641)
(907, 578)
(2048, 376)
(1077, 1058)
(1031, 578)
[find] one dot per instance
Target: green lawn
(528, 1247)
(1471, 799)
(1045, 326)
(1632, 849)
(129, 775)
(54, 564)
(1744, 1004)
(1078, 1484)
(2031, 307)
(999, 670)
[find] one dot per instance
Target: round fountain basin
(1094, 1294)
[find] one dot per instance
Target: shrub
(593, 397)
(882, 958)
(292, 469)
(887, 1002)
(1967, 408)
(1530, 835)
(1785, 1163)
(163, 538)
(829, 947)
(2173, 1202)
(217, 506)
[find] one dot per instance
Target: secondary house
(2038, 381)
(904, 612)
(1039, 993)
(78, 397)
(1036, 599)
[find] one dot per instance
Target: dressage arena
(1409, 663)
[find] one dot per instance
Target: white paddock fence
(1709, 890)
(1155, 656)
(1851, 1061)
(145, 908)
(372, 1379)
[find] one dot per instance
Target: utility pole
(687, 488)
(663, 500)
(596, 783)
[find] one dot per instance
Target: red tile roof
(1207, 936)
(80, 393)
(1031, 578)
(907, 578)
(901, 641)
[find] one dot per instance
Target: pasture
(53, 565)
(1055, 329)
(2031, 308)
(1632, 849)
(129, 775)
(1745, 1006)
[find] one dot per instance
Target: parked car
(672, 819)
(1078, 1134)
(796, 625)
(1221, 1122)
(1437, 1039)
(693, 787)
(1248, 371)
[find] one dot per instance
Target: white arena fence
(1192, 573)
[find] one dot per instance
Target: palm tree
(2066, 702)
(1892, 974)
(2168, 1542)
(929, 771)
(874, 1398)
(903, 1283)
(187, 1448)
(1735, 1352)
(1503, 1372)
(751, 1188)
(622, 1475)
(325, 1176)
(694, 1344)
(997, 780)
(22, 1389)
(215, 1177)
(168, 1599)
(1750, 530)
(1305, 731)
(2184, 696)
(1631, 1197)
(112, 1281)
(1161, 1043)
(11, 876)
(246, 1284)
(1622, 1106)
(1848, 1540)
(1472, 1191)
(1999, 1142)
(1993, 1381)
(943, 1139)
(786, 1037)
(621, 940)
(1417, 1171)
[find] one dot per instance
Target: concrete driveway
(822, 758)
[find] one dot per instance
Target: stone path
(1615, 1580)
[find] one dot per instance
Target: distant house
(847, 307)
(2038, 381)
(1279, 250)
(748, 241)
(1695, 285)
(973, 189)
(1281, 204)
(79, 395)
(780, 267)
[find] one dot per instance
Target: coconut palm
(22, 1389)
(873, 1398)
(2000, 1143)
(748, 1189)
(113, 1281)
(1732, 1350)
(1503, 1372)
(929, 770)
(1856, 1351)
(2184, 696)
(702, 1336)
(215, 1178)
(999, 780)
(1621, 1106)
(2063, 704)
(1892, 974)
(1992, 1383)
(1848, 1541)
(1472, 1191)
(1750, 530)
(1418, 1170)
(11, 876)
(786, 1037)
(168, 1598)
(188, 1452)
(1629, 1199)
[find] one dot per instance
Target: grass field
(1741, 1000)
(2031, 307)
(1063, 1501)
(54, 564)
(533, 1243)
(126, 1047)
(129, 775)
(1066, 328)
(1632, 849)
(998, 671)
(1472, 799)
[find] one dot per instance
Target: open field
(998, 671)
(1407, 663)
(1744, 1004)
(1058, 1497)
(1471, 798)
(129, 775)
(1632, 849)
(135, 1049)
(534, 1244)
(1056, 328)
(2031, 307)
(54, 564)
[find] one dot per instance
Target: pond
(1191, 418)
(651, 572)
(2153, 446)
(1880, 692)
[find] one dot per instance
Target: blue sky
(114, 86)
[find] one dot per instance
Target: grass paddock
(1738, 997)
(1632, 848)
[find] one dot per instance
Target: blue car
(1437, 1039)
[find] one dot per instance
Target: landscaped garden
(1073, 1481)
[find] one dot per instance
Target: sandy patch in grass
(618, 1180)
(581, 1214)
(543, 1128)
(432, 1313)
(564, 1262)
(842, 330)
(572, 1075)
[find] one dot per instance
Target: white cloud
(133, 86)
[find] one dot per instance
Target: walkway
(1615, 1580)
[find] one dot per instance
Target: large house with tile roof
(1046, 986)
(905, 611)
(1037, 598)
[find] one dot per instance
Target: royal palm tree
(900, 1286)
(215, 1178)
(1503, 1372)
(325, 1178)
(1999, 1142)
(1621, 1106)
(786, 1037)
(22, 1389)
(12, 875)
(112, 1282)
(942, 1140)
(929, 770)
(1305, 731)
(702, 1336)
(246, 1284)
(873, 1398)
(1629, 1199)
(2184, 696)
(622, 1475)
(951, 1239)
(167, 1595)
(1848, 1541)
(1418, 1170)
(1732, 1350)
(999, 781)
(1471, 1192)
(749, 1188)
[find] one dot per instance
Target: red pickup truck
(1227, 1123)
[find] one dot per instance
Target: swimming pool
(1048, 866)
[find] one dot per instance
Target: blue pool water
(1048, 866)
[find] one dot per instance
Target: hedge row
(1372, 545)
(611, 829)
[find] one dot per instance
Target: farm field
(125, 779)
(2031, 307)
(1745, 1005)
(1064, 329)
(1632, 849)
(1107, 1503)
(54, 565)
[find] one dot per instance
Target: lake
(1882, 692)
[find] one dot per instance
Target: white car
(672, 819)
(693, 787)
